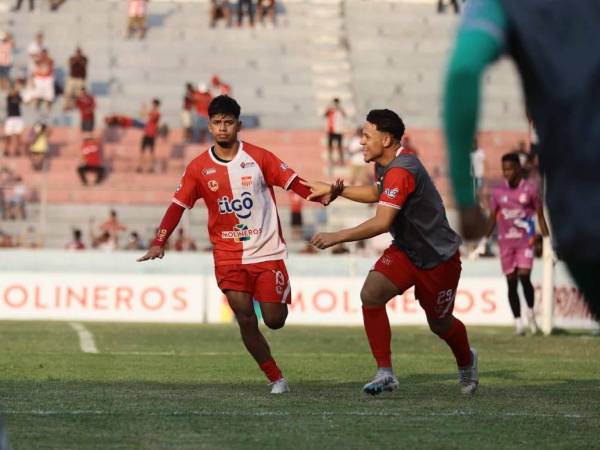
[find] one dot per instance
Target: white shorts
(43, 88)
(13, 126)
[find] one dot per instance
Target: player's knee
(274, 323)
(245, 320)
(368, 297)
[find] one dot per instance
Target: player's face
(224, 129)
(372, 142)
(511, 171)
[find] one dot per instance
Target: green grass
(194, 387)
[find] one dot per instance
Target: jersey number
(445, 300)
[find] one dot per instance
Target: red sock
(269, 367)
(457, 340)
(377, 327)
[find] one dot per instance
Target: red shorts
(435, 289)
(267, 281)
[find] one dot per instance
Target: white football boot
(280, 386)
(384, 381)
(468, 377)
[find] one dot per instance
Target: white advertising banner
(336, 301)
(101, 297)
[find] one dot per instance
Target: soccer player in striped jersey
(236, 179)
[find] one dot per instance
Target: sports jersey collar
(221, 163)
(518, 186)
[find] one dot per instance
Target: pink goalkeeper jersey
(515, 209)
(242, 215)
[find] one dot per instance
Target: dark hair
(225, 105)
(77, 233)
(387, 121)
(156, 102)
(511, 157)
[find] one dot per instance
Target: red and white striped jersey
(243, 223)
(6, 53)
(136, 8)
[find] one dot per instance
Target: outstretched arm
(373, 227)
(361, 194)
(167, 226)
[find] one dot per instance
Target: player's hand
(324, 192)
(153, 252)
(472, 223)
(325, 240)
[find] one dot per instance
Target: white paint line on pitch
(401, 413)
(86, 340)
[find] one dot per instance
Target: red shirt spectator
(86, 105)
(90, 149)
(137, 8)
(202, 99)
(151, 128)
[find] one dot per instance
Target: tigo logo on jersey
(213, 185)
(391, 193)
(242, 208)
(209, 171)
(241, 233)
(246, 164)
(247, 181)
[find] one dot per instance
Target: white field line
(395, 413)
(86, 340)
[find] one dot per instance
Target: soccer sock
(457, 340)
(269, 367)
(379, 333)
(513, 297)
(527, 289)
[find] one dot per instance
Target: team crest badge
(247, 181)
(213, 185)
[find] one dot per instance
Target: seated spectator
(184, 243)
(91, 154)
(202, 99)
(218, 87)
(86, 103)
(220, 9)
(39, 146)
(29, 239)
(77, 76)
(13, 125)
(113, 227)
(16, 200)
(186, 112)
(135, 243)
(103, 242)
(76, 243)
(34, 50)
(6, 59)
(43, 80)
(136, 22)
(6, 240)
(266, 8)
(249, 9)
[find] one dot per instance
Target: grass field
(194, 387)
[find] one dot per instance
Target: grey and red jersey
(420, 229)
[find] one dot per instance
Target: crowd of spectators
(263, 10)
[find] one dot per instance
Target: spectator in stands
(16, 200)
(113, 227)
(91, 154)
(266, 8)
(103, 242)
(478, 166)
(358, 167)
(218, 87)
(202, 99)
(55, 4)
(136, 22)
(17, 7)
(30, 239)
(184, 243)
(13, 125)
(77, 77)
(135, 242)
(86, 103)
(220, 9)
(442, 4)
(39, 146)
(335, 116)
(245, 5)
(6, 59)
(186, 112)
(6, 240)
(34, 50)
(149, 138)
(76, 243)
(6, 181)
(43, 80)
